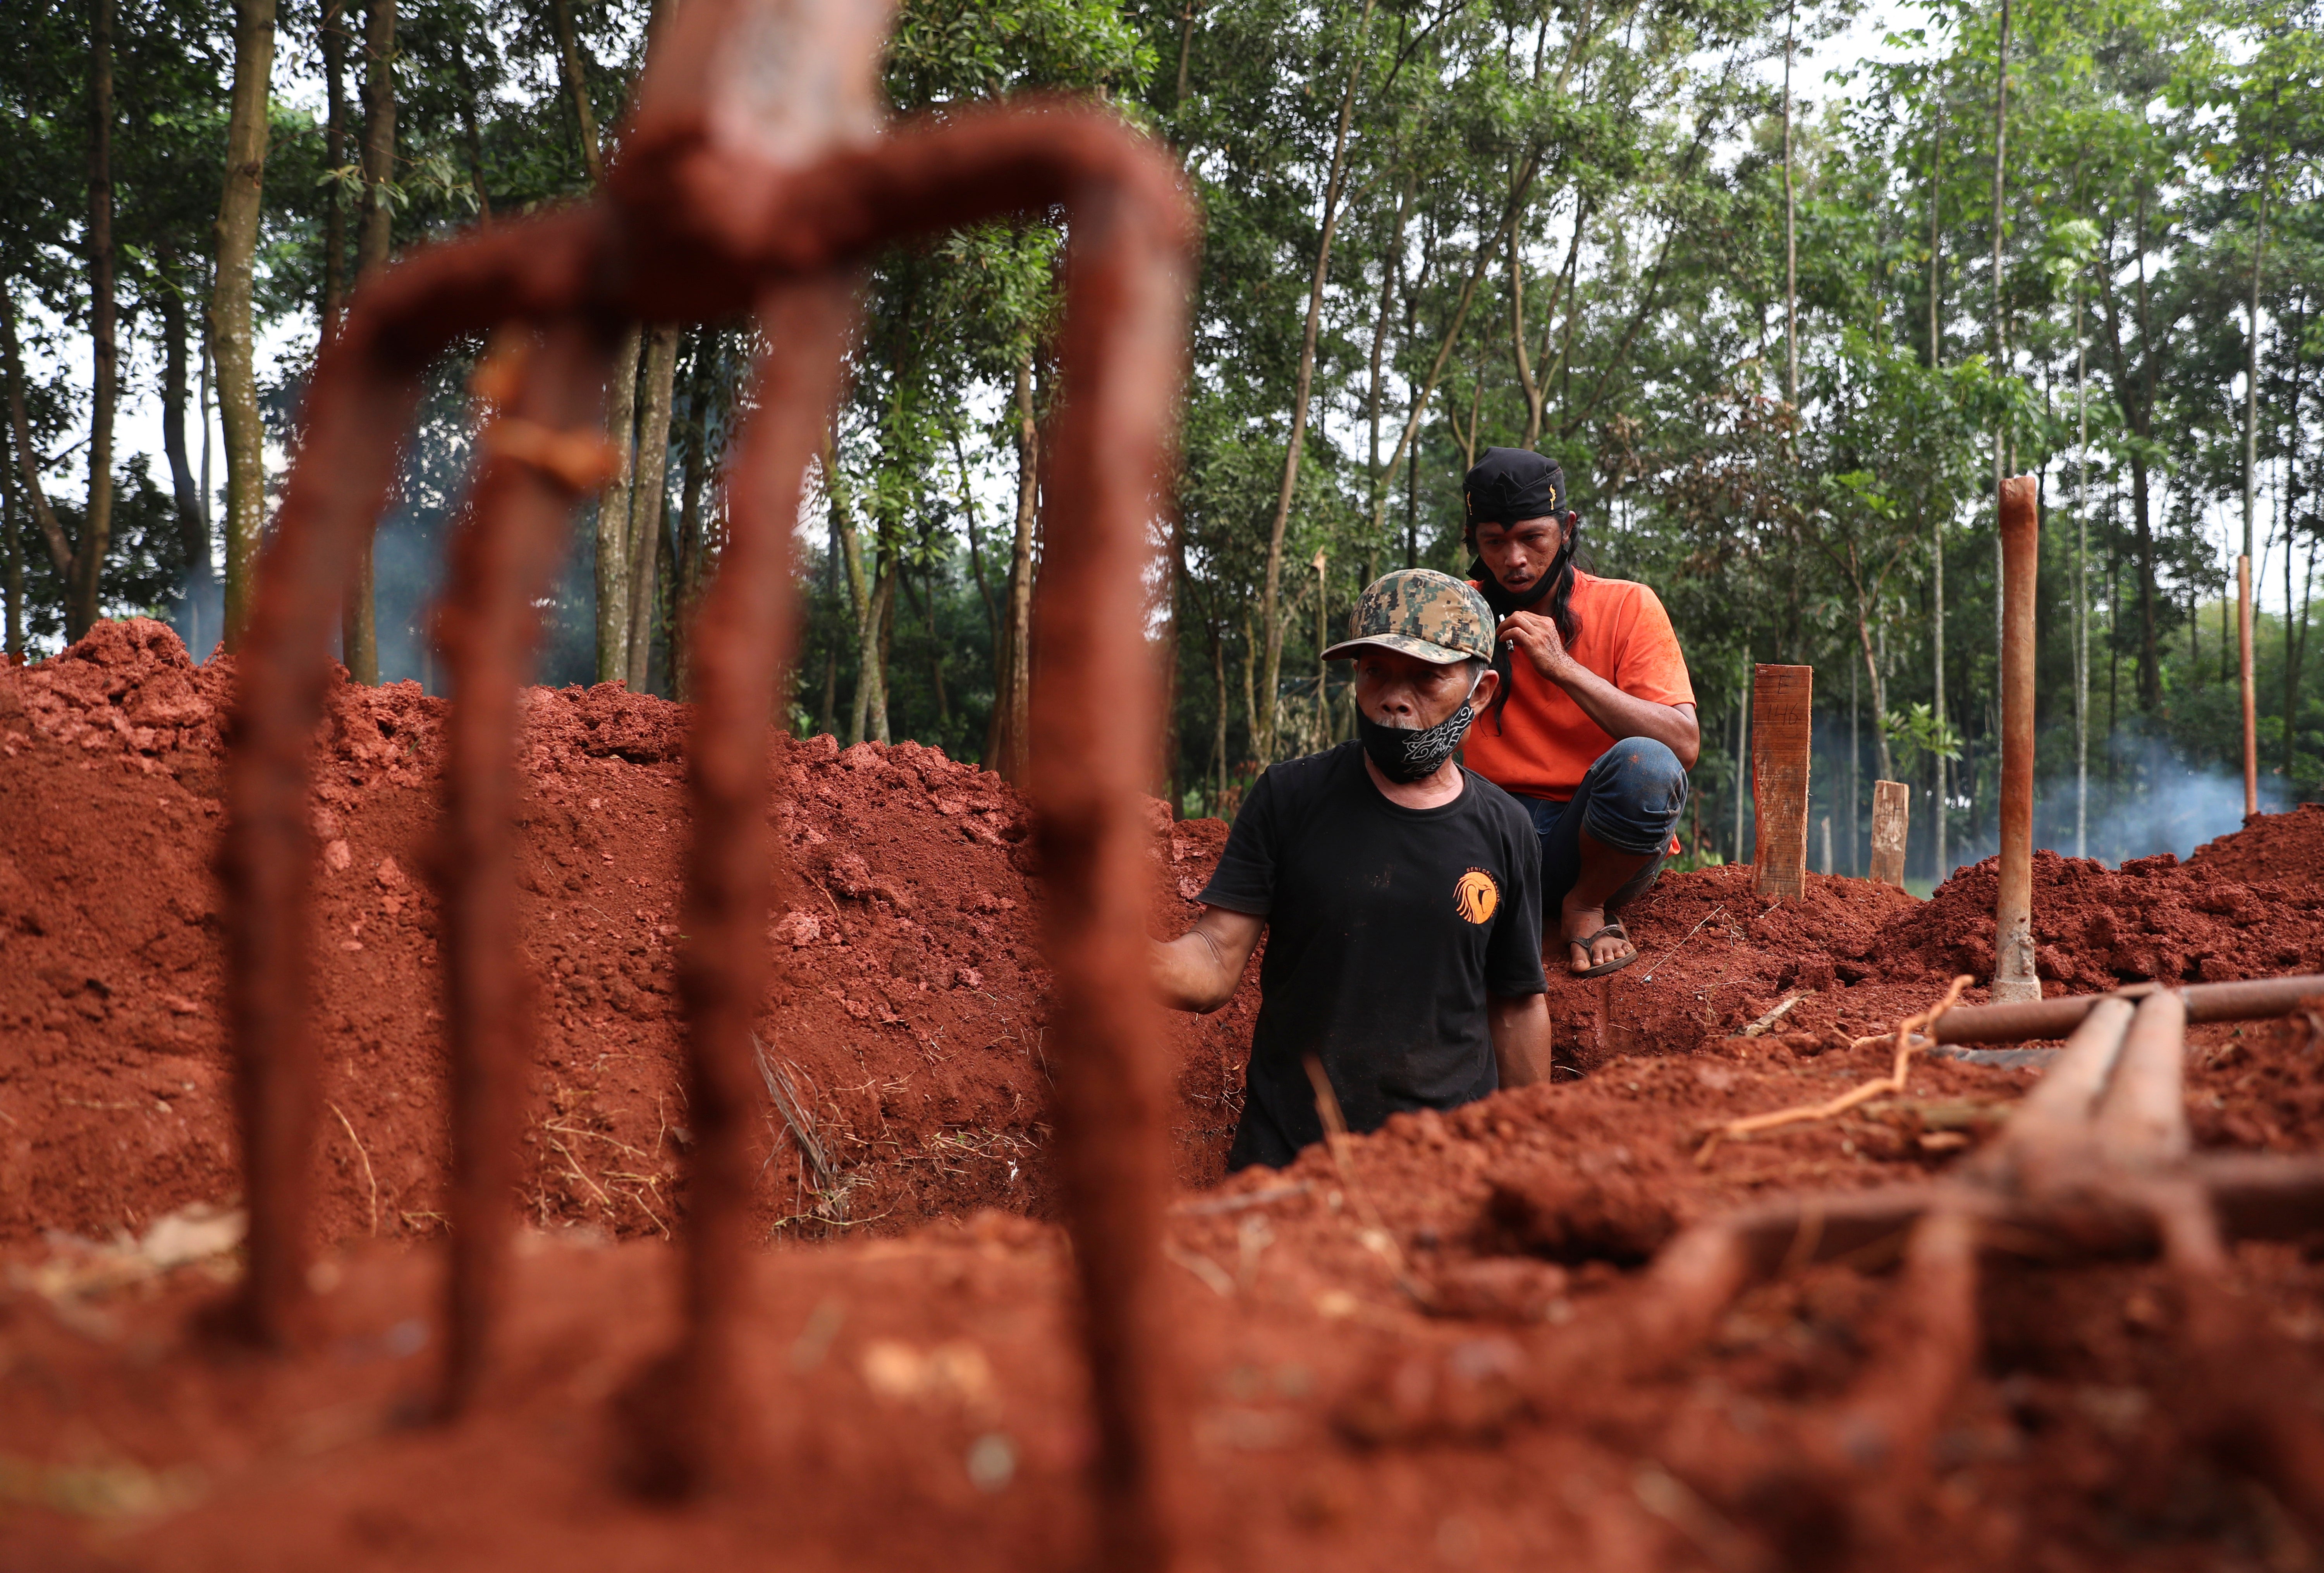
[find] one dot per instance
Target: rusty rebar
(2014, 977)
(2033, 1020)
(739, 187)
(502, 560)
(746, 639)
(2140, 1118)
(2248, 690)
(1095, 715)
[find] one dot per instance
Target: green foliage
(1558, 223)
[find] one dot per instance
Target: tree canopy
(1781, 331)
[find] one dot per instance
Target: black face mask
(1409, 754)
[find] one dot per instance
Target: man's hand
(1617, 713)
(1519, 1025)
(1538, 639)
(1200, 969)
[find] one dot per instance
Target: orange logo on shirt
(1476, 896)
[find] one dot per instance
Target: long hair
(1560, 597)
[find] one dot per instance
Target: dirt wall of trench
(905, 1006)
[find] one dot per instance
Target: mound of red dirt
(1714, 957)
(2286, 847)
(2096, 928)
(905, 1017)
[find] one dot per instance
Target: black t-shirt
(1387, 928)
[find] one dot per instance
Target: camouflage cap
(1424, 613)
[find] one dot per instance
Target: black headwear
(1510, 484)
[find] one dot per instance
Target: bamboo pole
(2013, 920)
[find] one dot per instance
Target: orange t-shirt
(1540, 744)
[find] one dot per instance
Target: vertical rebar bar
(502, 560)
(744, 643)
(2250, 690)
(360, 401)
(1094, 736)
(2013, 976)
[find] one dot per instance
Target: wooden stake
(2013, 916)
(2251, 716)
(1782, 697)
(1892, 818)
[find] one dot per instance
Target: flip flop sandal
(1602, 968)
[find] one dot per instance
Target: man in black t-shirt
(1401, 894)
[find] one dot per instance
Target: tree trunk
(1792, 244)
(1219, 725)
(612, 574)
(2150, 655)
(1250, 682)
(976, 556)
(1486, 250)
(872, 682)
(1937, 817)
(647, 496)
(2081, 581)
(28, 465)
(2000, 348)
(690, 537)
(867, 714)
(1391, 266)
(1526, 384)
(1008, 735)
(243, 433)
(2295, 633)
(1936, 233)
(1271, 590)
(374, 243)
(1874, 676)
(335, 158)
(13, 566)
(471, 133)
(576, 83)
(193, 529)
(2251, 395)
(613, 515)
(81, 585)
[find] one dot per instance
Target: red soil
(918, 1394)
(908, 1014)
(2289, 847)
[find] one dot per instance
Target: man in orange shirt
(1593, 731)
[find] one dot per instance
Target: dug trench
(1362, 1347)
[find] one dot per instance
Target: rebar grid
(2096, 1163)
(755, 176)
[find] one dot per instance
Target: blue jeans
(1629, 800)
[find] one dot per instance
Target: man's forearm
(1519, 1025)
(1189, 974)
(1200, 970)
(1621, 716)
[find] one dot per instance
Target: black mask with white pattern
(1409, 754)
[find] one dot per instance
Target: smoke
(2145, 797)
(199, 613)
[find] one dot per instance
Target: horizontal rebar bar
(2032, 1019)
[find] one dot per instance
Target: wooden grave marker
(1891, 817)
(1781, 698)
